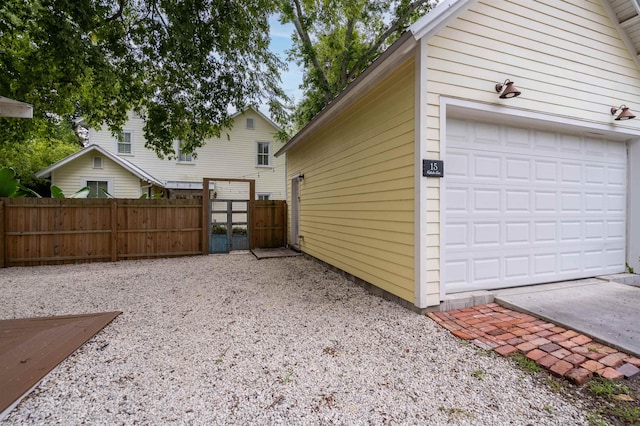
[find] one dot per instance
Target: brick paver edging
(565, 353)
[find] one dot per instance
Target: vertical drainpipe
(420, 182)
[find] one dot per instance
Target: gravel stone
(223, 339)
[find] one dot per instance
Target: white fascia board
(260, 114)
(130, 167)
(439, 17)
(45, 173)
(140, 173)
(17, 109)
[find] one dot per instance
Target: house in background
(123, 167)
(430, 180)
(17, 109)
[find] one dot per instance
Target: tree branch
(308, 47)
(348, 37)
(395, 26)
(119, 12)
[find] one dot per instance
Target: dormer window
(250, 123)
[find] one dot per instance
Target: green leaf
(81, 193)
(27, 191)
(8, 185)
(56, 192)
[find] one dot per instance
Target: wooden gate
(266, 220)
(269, 223)
(230, 228)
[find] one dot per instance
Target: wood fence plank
(2, 236)
(46, 231)
(114, 231)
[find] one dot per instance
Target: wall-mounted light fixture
(507, 89)
(624, 113)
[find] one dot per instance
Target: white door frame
(295, 211)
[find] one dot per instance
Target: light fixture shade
(507, 90)
(625, 113)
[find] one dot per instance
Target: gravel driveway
(228, 339)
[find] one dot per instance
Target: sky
(280, 42)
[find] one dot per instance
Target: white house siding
(357, 195)
(231, 156)
(71, 177)
(566, 57)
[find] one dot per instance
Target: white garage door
(523, 206)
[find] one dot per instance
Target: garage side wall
(566, 57)
(357, 195)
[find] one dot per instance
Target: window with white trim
(97, 162)
(98, 188)
(264, 196)
(184, 157)
(264, 154)
(124, 142)
(250, 123)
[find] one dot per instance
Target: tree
(51, 141)
(335, 40)
(184, 66)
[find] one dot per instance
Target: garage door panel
(458, 165)
(516, 233)
(487, 167)
(525, 207)
(616, 203)
(616, 176)
(570, 173)
(485, 200)
(517, 201)
(546, 171)
(486, 234)
(525, 267)
(571, 144)
(517, 169)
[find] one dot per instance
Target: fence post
(206, 217)
(285, 226)
(114, 230)
(2, 237)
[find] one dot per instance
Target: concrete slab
(604, 310)
(274, 252)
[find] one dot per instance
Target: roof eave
(438, 17)
(130, 167)
(633, 49)
(257, 111)
(17, 109)
(389, 60)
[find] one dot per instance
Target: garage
(527, 206)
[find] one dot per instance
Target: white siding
(566, 57)
(72, 176)
(233, 156)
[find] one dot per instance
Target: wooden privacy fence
(39, 231)
(268, 223)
